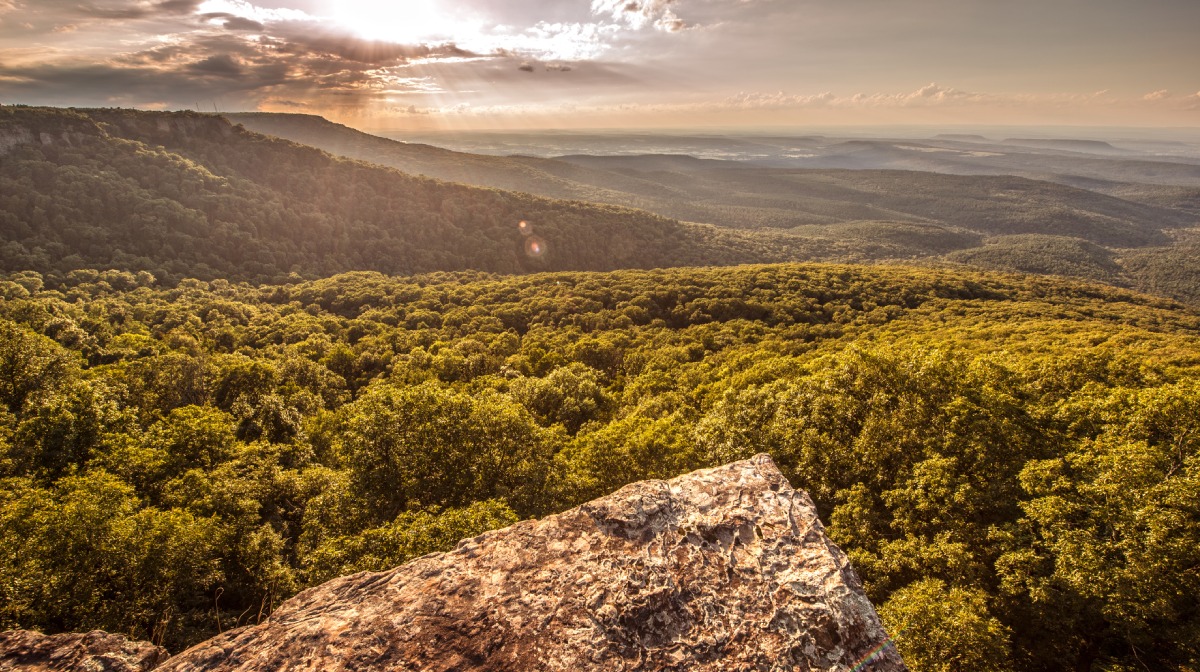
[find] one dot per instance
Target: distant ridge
(966, 137)
(195, 195)
(1067, 144)
(844, 185)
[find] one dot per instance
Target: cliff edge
(721, 569)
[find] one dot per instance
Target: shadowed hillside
(184, 194)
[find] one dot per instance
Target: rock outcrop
(86, 652)
(722, 569)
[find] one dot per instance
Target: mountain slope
(963, 200)
(190, 194)
(742, 195)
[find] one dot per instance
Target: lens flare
(525, 228)
(535, 247)
(874, 653)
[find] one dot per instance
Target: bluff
(722, 569)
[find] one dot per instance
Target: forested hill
(742, 194)
(184, 194)
(544, 177)
(1085, 216)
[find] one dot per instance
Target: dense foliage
(1012, 463)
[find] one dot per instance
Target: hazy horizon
(882, 131)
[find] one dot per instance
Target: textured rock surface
(722, 569)
(75, 652)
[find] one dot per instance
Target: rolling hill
(863, 184)
(191, 195)
(185, 194)
(957, 199)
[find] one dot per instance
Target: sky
(536, 64)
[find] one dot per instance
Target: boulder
(721, 569)
(94, 651)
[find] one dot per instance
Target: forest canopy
(1011, 462)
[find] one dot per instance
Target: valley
(930, 200)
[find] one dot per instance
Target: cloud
(639, 14)
(174, 52)
(232, 22)
(119, 9)
(777, 100)
(253, 12)
(221, 65)
(343, 47)
(238, 70)
(930, 94)
(527, 66)
(1161, 94)
(553, 41)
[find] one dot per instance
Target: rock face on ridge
(721, 569)
(95, 651)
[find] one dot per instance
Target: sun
(403, 21)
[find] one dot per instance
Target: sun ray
(409, 22)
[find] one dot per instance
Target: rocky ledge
(723, 569)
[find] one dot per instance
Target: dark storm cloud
(231, 22)
(238, 70)
(222, 65)
(343, 47)
(137, 10)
